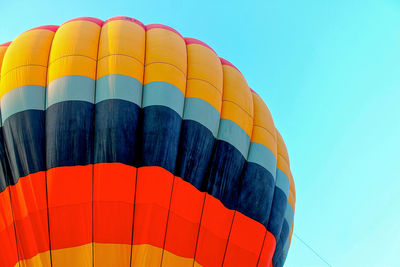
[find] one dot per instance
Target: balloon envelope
(128, 145)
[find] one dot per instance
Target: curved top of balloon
(124, 144)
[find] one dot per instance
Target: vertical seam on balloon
(241, 180)
(93, 140)
(273, 195)
(45, 153)
(229, 236)
(282, 238)
(281, 224)
(48, 217)
(166, 224)
(15, 230)
(262, 247)
(268, 132)
(7, 179)
(279, 241)
(11, 206)
(133, 216)
(235, 210)
(138, 139)
(240, 176)
(199, 228)
(177, 152)
(206, 176)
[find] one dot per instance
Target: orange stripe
(8, 255)
(28, 198)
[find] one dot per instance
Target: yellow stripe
(291, 234)
(205, 77)
(166, 59)
(108, 255)
(283, 158)
(80, 256)
(237, 100)
(292, 201)
(292, 192)
(147, 256)
(26, 59)
(121, 50)
(263, 127)
(74, 50)
(171, 260)
(3, 50)
(40, 260)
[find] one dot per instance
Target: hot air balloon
(128, 145)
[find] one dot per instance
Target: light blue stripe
(285, 250)
(289, 215)
(27, 97)
(163, 94)
(282, 182)
(232, 133)
(201, 111)
(70, 88)
(263, 156)
(116, 86)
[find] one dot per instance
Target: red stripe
(126, 19)
(213, 236)
(153, 193)
(161, 26)
(190, 40)
(70, 202)
(113, 189)
(52, 28)
(6, 44)
(226, 62)
(253, 91)
(94, 20)
(245, 242)
(267, 251)
(184, 219)
(70, 205)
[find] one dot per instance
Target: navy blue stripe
(281, 260)
(69, 134)
(225, 174)
(195, 152)
(116, 132)
(278, 254)
(160, 137)
(277, 212)
(5, 172)
(257, 193)
(24, 142)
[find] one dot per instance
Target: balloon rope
(316, 253)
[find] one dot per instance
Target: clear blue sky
(329, 71)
